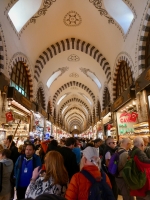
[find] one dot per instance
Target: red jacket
(78, 188)
(143, 167)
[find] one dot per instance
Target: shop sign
(26, 102)
(126, 121)
(118, 102)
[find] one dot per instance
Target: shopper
(6, 168)
(55, 179)
(24, 167)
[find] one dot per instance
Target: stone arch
(98, 110)
(142, 41)
(73, 109)
(22, 58)
(3, 51)
(67, 44)
(123, 56)
(75, 114)
(70, 84)
(104, 96)
(41, 87)
(76, 100)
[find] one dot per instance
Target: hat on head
(90, 153)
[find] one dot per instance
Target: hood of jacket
(8, 163)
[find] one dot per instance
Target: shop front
(142, 88)
(106, 116)
(39, 123)
(18, 114)
(125, 114)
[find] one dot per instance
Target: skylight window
(94, 78)
(120, 12)
(61, 98)
(22, 11)
(53, 78)
(64, 109)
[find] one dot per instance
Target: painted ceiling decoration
(80, 116)
(65, 108)
(72, 18)
(28, 17)
(92, 76)
(68, 44)
(74, 75)
(73, 58)
(75, 100)
(55, 75)
(70, 84)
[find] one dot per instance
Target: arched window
(19, 79)
(124, 78)
(40, 98)
(147, 53)
(106, 99)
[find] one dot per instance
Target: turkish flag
(9, 116)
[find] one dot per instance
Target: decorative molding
(104, 96)
(41, 86)
(42, 11)
(141, 40)
(123, 56)
(76, 108)
(62, 69)
(70, 84)
(84, 70)
(75, 100)
(3, 51)
(74, 75)
(68, 44)
(72, 18)
(73, 58)
(21, 57)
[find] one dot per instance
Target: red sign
(109, 126)
(128, 117)
(9, 116)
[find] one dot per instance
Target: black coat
(69, 161)
(14, 152)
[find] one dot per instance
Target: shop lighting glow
(18, 112)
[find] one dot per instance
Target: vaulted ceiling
(72, 46)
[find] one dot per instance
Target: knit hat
(90, 153)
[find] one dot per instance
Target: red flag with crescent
(9, 116)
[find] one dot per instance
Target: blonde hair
(55, 168)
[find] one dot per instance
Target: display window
(38, 126)
(17, 122)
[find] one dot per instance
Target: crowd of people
(68, 169)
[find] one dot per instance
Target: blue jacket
(36, 162)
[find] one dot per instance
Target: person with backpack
(90, 183)
(136, 171)
(6, 168)
(122, 159)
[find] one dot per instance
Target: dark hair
(47, 196)
(54, 143)
(10, 138)
(6, 153)
(30, 144)
(70, 141)
(97, 140)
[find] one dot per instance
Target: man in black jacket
(69, 157)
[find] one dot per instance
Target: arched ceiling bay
(72, 46)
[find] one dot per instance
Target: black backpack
(1, 175)
(99, 190)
